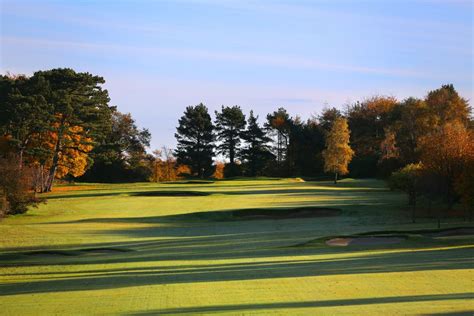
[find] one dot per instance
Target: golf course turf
(244, 246)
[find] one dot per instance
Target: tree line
(59, 124)
(380, 134)
(424, 147)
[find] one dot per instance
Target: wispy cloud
(245, 58)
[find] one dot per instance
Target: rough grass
(114, 249)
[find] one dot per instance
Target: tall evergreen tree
(279, 122)
(230, 123)
(23, 113)
(256, 152)
(195, 140)
(305, 147)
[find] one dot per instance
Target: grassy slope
(184, 265)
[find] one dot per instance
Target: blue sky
(160, 56)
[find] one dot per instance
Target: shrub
(16, 193)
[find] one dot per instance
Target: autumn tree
(338, 153)
(256, 152)
(164, 165)
(219, 170)
(413, 121)
(195, 138)
(16, 195)
(446, 153)
(447, 105)
(367, 122)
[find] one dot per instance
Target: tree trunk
(335, 178)
(4, 204)
(20, 158)
(52, 173)
(231, 151)
(54, 165)
(42, 184)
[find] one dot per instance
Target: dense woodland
(58, 125)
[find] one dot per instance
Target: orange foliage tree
(72, 157)
(447, 153)
(219, 171)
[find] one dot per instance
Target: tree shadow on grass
(399, 261)
(285, 188)
(240, 308)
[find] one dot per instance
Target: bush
(16, 193)
(406, 180)
(232, 170)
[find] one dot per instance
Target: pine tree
(256, 152)
(76, 99)
(23, 113)
(230, 123)
(338, 153)
(195, 146)
(280, 122)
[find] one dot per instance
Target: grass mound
(190, 182)
(263, 214)
(171, 193)
(51, 253)
(296, 212)
(462, 231)
(104, 250)
(77, 252)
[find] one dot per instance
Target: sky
(158, 57)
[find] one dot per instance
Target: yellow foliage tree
(338, 153)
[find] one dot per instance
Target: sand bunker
(363, 241)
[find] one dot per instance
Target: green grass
(185, 248)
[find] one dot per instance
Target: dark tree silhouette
(196, 140)
(256, 153)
